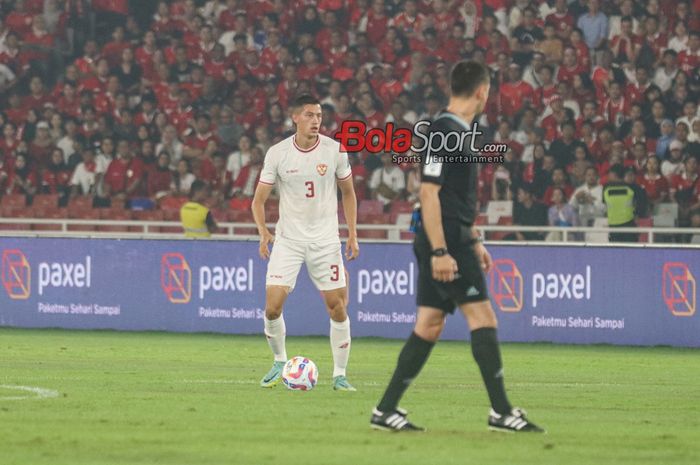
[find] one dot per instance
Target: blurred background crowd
(128, 102)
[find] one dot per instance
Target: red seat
(370, 207)
(115, 214)
(240, 216)
(171, 215)
(481, 220)
(401, 206)
(82, 202)
(14, 200)
(381, 218)
(172, 202)
(502, 221)
(50, 213)
(24, 212)
(644, 223)
(176, 228)
(81, 214)
(149, 215)
(45, 201)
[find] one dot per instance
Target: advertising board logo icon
(679, 289)
(16, 274)
(506, 285)
(176, 278)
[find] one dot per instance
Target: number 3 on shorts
(335, 273)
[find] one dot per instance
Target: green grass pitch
(154, 398)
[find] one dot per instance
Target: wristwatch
(439, 252)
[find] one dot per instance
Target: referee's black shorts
(470, 284)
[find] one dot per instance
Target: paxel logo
(385, 282)
(63, 274)
(176, 278)
(506, 285)
(16, 274)
(560, 286)
(679, 289)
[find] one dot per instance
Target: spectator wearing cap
(673, 165)
(525, 37)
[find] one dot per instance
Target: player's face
(308, 120)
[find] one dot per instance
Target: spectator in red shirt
(159, 178)
(55, 179)
(515, 93)
(559, 181)
(689, 59)
(124, 176)
(654, 184)
(562, 20)
(22, 179)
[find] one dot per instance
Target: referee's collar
(448, 114)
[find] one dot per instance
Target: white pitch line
(41, 393)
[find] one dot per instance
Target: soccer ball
(300, 374)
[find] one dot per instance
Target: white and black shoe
(393, 421)
(514, 422)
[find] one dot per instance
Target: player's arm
(262, 193)
(444, 266)
(347, 191)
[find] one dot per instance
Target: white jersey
(306, 181)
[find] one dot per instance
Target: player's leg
(336, 305)
(486, 351)
(326, 269)
(285, 261)
(387, 415)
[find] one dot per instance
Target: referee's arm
(443, 267)
(432, 214)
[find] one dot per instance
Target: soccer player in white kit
(307, 168)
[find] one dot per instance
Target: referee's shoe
(393, 421)
(514, 422)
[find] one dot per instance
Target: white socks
(276, 331)
(340, 346)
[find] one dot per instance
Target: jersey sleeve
(433, 171)
(268, 175)
(343, 170)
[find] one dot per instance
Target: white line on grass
(40, 393)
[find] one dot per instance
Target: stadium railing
(391, 233)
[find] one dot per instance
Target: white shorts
(324, 263)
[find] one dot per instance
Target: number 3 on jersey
(310, 192)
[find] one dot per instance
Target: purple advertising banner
(573, 295)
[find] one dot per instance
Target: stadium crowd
(129, 102)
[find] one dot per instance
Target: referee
(451, 263)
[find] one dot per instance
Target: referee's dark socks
(411, 359)
(488, 356)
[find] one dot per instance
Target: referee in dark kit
(451, 264)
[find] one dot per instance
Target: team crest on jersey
(322, 168)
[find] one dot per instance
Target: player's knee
(337, 309)
(430, 330)
(272, 312)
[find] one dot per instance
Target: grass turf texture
(146, 398)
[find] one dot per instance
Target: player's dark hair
(466, 77)
(304, 99)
